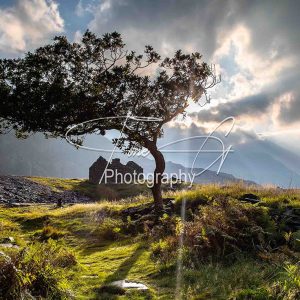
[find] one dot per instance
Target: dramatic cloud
(254, 44)
(277, 103)
(28, 24)
(289, 108)
(167, 25)
(249, 106)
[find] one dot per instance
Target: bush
(193, 200)
(253, 294)
(165, 250)
(50, 232)
(295, 240)
(167, 226)
(109, 229)
(11, 280)
(226, 227)
(221, 228)
(36, 271)
(7, 225)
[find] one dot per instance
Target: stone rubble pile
(19, 190)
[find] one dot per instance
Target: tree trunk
(158, 173)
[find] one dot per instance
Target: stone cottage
(98, 168)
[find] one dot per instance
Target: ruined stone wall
(98, 167)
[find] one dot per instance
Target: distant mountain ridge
(258, 161)
(56, 158)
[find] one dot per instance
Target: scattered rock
(251, 198)
(291, 218)
(8, 239)
(126, 284)
(89, 276)
(20, 191)
(9, 245)
(8, 242)
(288, 217)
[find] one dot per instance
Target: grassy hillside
(95, 192)
(222, 249)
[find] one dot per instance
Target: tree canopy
(63, 84)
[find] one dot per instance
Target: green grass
(95, 192)
(106, 252)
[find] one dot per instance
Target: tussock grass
(37, 271)
(100, 246)
(270, 196)
(94, 191)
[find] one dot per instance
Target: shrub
(7, 225)
(109, 229)
(226, 227)
(167, 226)
(11, 280)
(288, 288)
(36, 271)
(165, 237)
(165, 250)
(50, 232)
(253, 294)
(221, 228)
(53, 253)
(193, 199)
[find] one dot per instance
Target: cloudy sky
(253, 44)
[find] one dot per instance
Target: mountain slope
(56, 158)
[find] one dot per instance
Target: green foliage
(64, 84)
(109, 229)
(12, 282)
(219, 229)
(36, 271)
(253, 294)
(164, 250)
(7, 225)
(50, 232)
(95, 192)
(226, 227)
(230, 249)
(295, 240)
(291, 284)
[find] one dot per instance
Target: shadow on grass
(29, 224)
(107, 291)
(109, 191)
(122, 271)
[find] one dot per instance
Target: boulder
(250, 198)
(8, 239)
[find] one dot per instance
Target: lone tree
(63, 84)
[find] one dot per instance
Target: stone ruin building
(98, 167)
